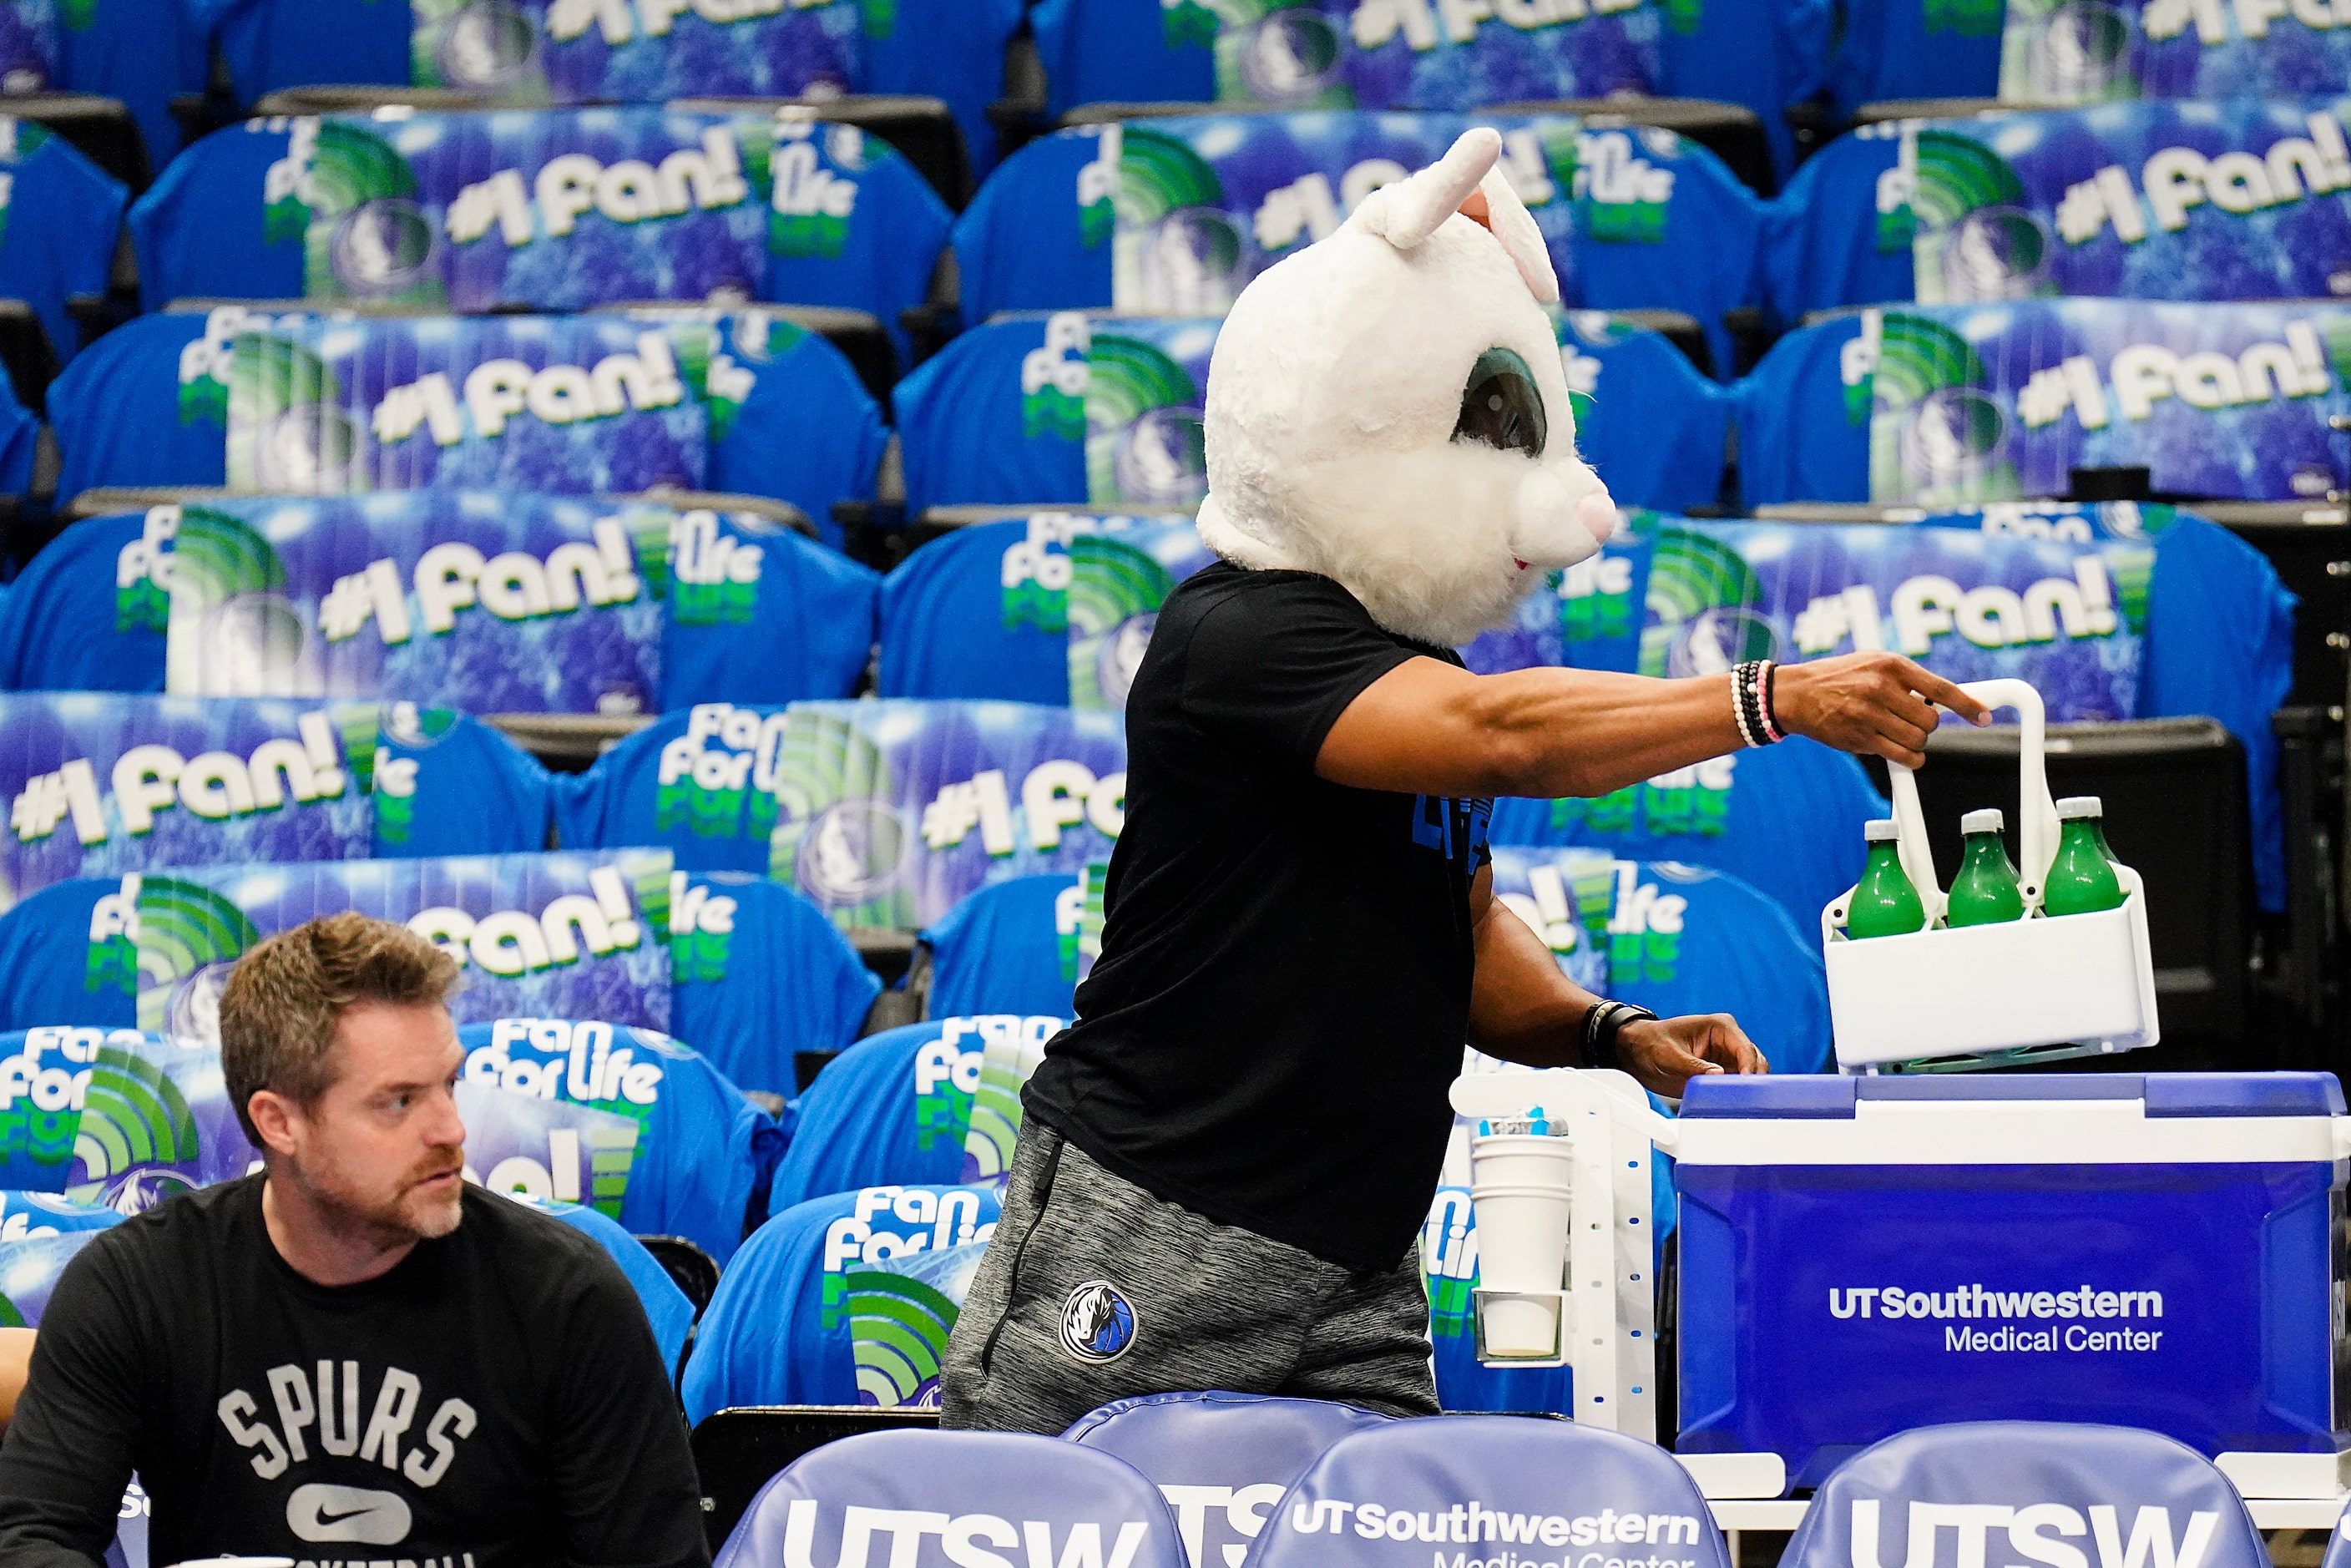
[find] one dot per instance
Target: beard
(416, 1208)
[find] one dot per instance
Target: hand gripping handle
(2037, 824)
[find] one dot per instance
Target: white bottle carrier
(2029, 989)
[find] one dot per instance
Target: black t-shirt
(1283, 989)
(496, 1400)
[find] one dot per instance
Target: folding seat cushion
(937, 1101)
(847, 1298)
(1477, 1482)
(1222, 1460)
(2037, 1482)
(1064, 1498)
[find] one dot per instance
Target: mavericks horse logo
(1097, 1323)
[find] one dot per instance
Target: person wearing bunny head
(1226, 1161)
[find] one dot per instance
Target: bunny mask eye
(1500, 407)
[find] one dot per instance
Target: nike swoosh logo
(321, 1511)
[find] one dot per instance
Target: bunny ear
(1409, 211)
(1507, 220)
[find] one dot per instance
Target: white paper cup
(1511, 1157)
(1518, 1328)
(1522, 1236)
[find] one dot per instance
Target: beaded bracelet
(1751, 703)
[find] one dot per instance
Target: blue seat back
(66, 957)
(912, 1104)
(1666, 226)
(855, 225)
(702, 1149)
(64, 213)
(1934, 1496)
(1222, 1460)
(1011, 947)
(966, 615)
(700, 781)
(85, 614)
(1001, 1489)
(847, 1298)
(1473, 1482)
(757, 974)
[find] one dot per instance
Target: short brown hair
(283, 1001)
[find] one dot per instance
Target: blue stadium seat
(142, 407)
(756, 975)
(1011, 947)
(1916, 49)
(883, 812)
(783, 414)
(20, 435)
(1658, 222)
(1514, 1479)
(702, 1149)
(123, 1148)
(759, 613)
(85, 615)
(847, 1298)
(1326, 56)
(966, 615)
(1839, 233)
(855, 225)
(700, 781)
(142, 53)
(65, 959)
(2120, 1482)
(1088, 1501)
(64, 213)
(1001, 415)
(428, 782)
(668, 1310)
(1767, 58)
(1222, 1460)
(1786, 821)
(905, 1106)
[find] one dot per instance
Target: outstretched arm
(1522, 1009)
(1427, 727)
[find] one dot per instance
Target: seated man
(352, 1353)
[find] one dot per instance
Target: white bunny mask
(1343, 436)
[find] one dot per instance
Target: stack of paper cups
(1520, 1188)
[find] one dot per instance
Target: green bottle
(1883, 902)
(2089, 806)
(1985, 892)
(2082, 879)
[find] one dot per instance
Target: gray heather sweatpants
(1188, 1304)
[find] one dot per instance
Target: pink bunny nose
(1597, 513)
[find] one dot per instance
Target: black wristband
(1600, 1030)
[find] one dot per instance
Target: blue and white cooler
(1861, 1255)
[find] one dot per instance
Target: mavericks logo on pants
(1098, 1322)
